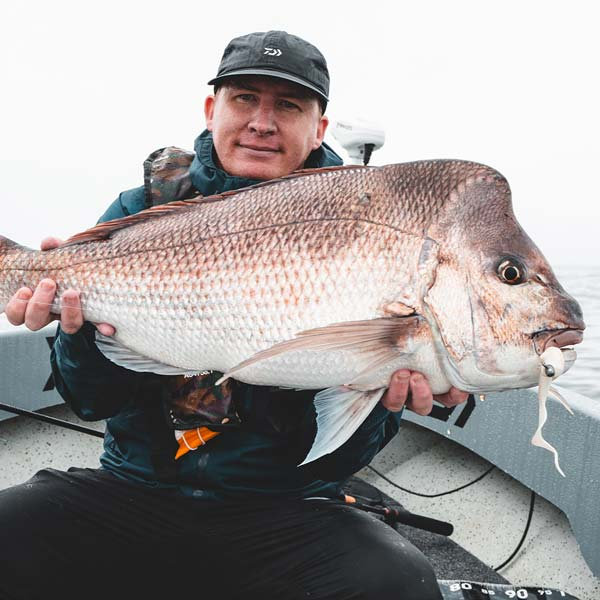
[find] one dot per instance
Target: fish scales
(328, 279)
(240, 242)
(321, 225)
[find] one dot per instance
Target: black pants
(87, 534)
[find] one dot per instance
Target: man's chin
(261, 171)
(257, 164)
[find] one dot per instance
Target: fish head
(494, 303)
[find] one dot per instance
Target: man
(232, 515)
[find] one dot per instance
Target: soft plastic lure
(552, 365)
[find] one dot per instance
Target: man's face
(264, 127)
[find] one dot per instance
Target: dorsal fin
(318, 170)
(104, 230)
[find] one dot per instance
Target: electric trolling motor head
(359, 138)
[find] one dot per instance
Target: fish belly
(215, 306)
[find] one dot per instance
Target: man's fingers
(50, 242)
(413, 390)
(458, 396)
(37, 313)
(421, 400)
(105, 329)
(71, 317)
(17, 305)
(395, 397)
(33, 309)
(452, 398)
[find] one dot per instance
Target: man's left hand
(411, 389)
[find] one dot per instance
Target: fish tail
(6, 246)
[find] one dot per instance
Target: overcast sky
(90, 89)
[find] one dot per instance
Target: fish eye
(511, 271)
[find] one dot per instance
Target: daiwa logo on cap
(276, 54)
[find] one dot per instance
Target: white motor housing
(359, 138)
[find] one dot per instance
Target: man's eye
(245, 97)
(288, 105)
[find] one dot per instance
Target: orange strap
(192, 439)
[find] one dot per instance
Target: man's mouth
(259, 148)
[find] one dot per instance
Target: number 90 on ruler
(471, 590)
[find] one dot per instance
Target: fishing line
(529, 517)
(462, 487)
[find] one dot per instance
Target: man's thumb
(51, 242)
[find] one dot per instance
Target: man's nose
(262, 121)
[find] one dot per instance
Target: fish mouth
(559, 338)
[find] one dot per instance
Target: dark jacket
(278, 426)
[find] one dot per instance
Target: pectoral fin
(375, 338)
(340, 412)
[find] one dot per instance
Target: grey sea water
(583, 283)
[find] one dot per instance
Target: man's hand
(420, 399)
(33, 308)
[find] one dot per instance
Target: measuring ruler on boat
(456, 589)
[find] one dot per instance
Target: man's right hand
(33, 308)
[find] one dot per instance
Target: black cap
(276, 54)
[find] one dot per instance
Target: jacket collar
(209, 179)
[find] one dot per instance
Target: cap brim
(269, 73)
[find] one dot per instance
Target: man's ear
(209, 110)
(320, 133)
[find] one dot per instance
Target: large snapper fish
(329, 279)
